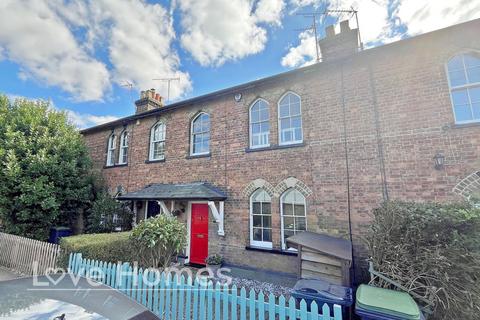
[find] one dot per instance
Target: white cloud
(55, 42)
(378, 26)
(216, 31)
(139, 39)
(302, 54)
(32, 35)
(422, 16)
(85, 120)
(270, 11)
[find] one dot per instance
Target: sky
(92, 58)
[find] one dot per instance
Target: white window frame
(123, 148)
(284, 245)
(192, 135)
(111, 146)
(290, 116)
(251, 123)
(461, 87)
(153, 141)
(256, 243)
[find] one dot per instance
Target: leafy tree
(45, 168)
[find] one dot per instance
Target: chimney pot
(330, 31)
(344, 26)
(149, 100)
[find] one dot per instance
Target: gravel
(266, 287)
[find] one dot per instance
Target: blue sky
(78, 54)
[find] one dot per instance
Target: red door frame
(198, 233)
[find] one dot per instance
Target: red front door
(199, 233)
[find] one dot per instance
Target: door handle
(199, 235)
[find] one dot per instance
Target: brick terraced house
(316, 148)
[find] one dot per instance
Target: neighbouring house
(316, 148)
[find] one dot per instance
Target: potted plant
(214, 262)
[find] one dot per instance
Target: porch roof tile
(183, 191)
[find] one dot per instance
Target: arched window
(259, 124)
(200, 134)
(294, 214)
(112, 142)
(157, 142)
(260, 219)
(123, 155)
(464, 81)
(290, 119)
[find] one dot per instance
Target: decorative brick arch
(468, 186)
(292, 182)
(257, 184)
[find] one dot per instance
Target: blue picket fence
(179, 297)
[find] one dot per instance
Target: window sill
(276, 147)
(155, 161)
(274, 251)
(465, 125)
(115, 166)
(195, 156)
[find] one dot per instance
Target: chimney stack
(341, 45)
(149, 100)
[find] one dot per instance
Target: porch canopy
(183, 191)
(196, 191)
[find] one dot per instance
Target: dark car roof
(85, 298)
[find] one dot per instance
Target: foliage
(110, 247)
(214, 259)
(44, 169)
(432, 249)
(107, 214)
(158, 240)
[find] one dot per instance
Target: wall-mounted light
(439, 160)
(238, 97)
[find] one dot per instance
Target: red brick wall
(396, 99)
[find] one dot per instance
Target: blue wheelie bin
(58, 232)
(322, 292)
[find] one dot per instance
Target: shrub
(107, 214)
(432, 249)
(110, 247)
(158, 240)
(214, 259)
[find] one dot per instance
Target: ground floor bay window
(260, 219)
(292, 217)
(293, 212)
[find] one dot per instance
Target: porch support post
(134, 220)
(146, 209)
(164, 207)
(218, 215)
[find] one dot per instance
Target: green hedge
(434, 250)
(110, 247)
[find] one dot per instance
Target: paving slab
(6, 274)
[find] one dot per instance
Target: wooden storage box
(323, 257)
